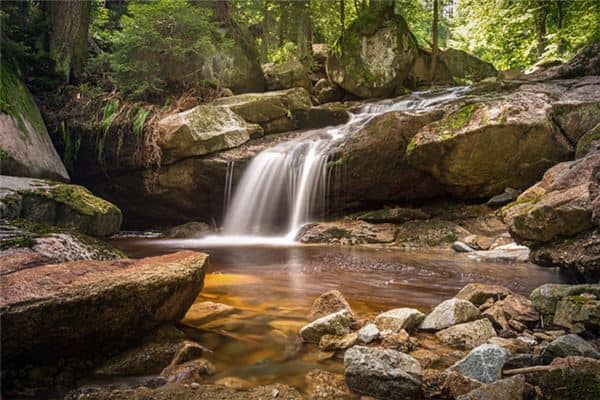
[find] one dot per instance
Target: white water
(284, 186)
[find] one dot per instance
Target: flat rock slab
(84, 307)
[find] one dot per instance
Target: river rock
(326, 91)
(234, 382)
(478, 242)
(399, 318)
(328, 303)
(396, 215)
(377, 53)
(337, 324)
(512, 388)
(275, 111)
(569, 378)
(189, 372)
(25, 146)
(368, 333)
(324, 385)
(60, 204)
(578, 313)
(88, 307)
(202, 130)
(431, 233)
(192, 229)
(446, 384)
(479, 293)
(384, 374)
(206, 311)
(569, 345)
(333, 342)
(448, 313)
(468, 335)
(286, 75)
(547, 297)
(590, 141)
(484, 363)
(400, 341)
(461, 247)
(503, 198)
(347, 232)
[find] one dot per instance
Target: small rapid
(285, 186)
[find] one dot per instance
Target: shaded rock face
(420, 72)
(586, 62)
(286, 75)
(559, 213)
(484, 363)
(377, 54)
(461, 64)
(25, 146)
(446, 384)
(85, 307)
(569, 345)
(326, 91)
(382, 373)
(53, 203)
(512, 388)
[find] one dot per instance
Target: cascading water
(285, 185)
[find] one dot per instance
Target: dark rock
(347, 232)
(437, 384)
(484, 363)
(569, 345)
(479, 293)
(191, 229)
(512, 388)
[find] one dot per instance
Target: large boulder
(585, 62)
(382, 373)
(88, 307)
(457, 149)
(25, 146)
(563, 207)
(347, 232)
(202, 130)
(59, 204)
(286, 75)
(375, 56)
(461, 64)
(276, 111)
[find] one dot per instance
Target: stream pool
(272, 289)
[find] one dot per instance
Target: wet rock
(484, 363)
(206, 311)
(324, 385)
(368, 333)
(522, 360)
(191, 229)
(478, 242)
(450, 312)
(512, 388)
(569, 345)
(377, 54)
(385, 374)
(398, 319)
(326, 91)
(286, 75)
(479, 293)
(437, 384)
(337, 324)
(569, 378)
(461, 247)
(60, 204)
(392, 215)
(429, 233)
(25, 145)
(234, 382)
(188, 372)
(468, 335)
(332, 342)
(91, 306)
(150, 358)
(506, 253)
(347, 232)
(328, 303)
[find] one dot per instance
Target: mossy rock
(25, 147)
(375, 55)
(586, 143)
(54, 203)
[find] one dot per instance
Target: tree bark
(342, 17)
(434, 39)
(304, 32)
(284, 20)
(69, 23)
(540, 15)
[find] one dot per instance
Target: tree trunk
(284, 20)
(540, 14)
(342, 17)
(304, 32)
(434, 39)
(69, 23)
(266, 31)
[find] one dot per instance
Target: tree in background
(434, 38)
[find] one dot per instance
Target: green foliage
(287, 52)
(109, 113)
(162, 47)
(141, 114)
(70, 146)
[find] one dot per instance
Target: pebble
(195, 385)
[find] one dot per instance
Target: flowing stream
(286, 185)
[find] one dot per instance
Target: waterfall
(283, 187)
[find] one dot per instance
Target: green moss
(16, 101)
(411, 145)
(3, 154)
(461, 117)
(587, 139)
(76, 197)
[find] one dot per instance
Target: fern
(139, 120)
